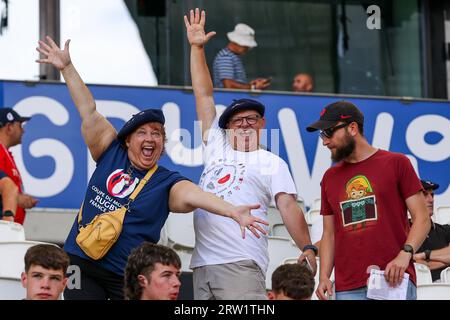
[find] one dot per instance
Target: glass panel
(19, 39)
(298, 36)
(105, 44)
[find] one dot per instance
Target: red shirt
(371, 225)
(8, 166)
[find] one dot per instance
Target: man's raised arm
(201, 78)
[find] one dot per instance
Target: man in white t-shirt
(239, 171)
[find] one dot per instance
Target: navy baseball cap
(137, 120)
(239, 105)
(427, 185)
(8, 115)
(335, 112)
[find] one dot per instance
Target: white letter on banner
(383, 131)
(110, 109)
(308, 186)
(58, 151)
(176, 150)
(415, 137)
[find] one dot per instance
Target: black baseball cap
(427, 185)
(8, 115)
(335, 112)
(238, 105)
(137, 120)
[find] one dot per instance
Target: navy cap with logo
(137, 120)
(340, 111)
(239, 105)
(427, 185)
(8, 115)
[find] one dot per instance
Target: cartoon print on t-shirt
(223, 177)
(361, 205)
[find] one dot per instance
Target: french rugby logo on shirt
(223, 178)
(120, 184)
(361, 205)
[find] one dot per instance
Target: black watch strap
(408, 248)
(8, 213)
(311, 247)
(427, 255)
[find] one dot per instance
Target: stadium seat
(445, 275)
(280, 230)
(301, 203)
(316, 204)
(11, 289)
(443, 215)
(434, 291)
(11, 231)
(274, 218)
(180, 230)
(181, 237)
(312, 215)
(423, 274)
(11, 257)
(279, 249)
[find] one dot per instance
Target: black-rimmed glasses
(328, 133)
(251, 120)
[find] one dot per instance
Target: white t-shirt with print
(239, 178)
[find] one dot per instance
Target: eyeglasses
(251, 120)
(328, 133)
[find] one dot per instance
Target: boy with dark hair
(152, 273)
(45, 272)
(292, 282)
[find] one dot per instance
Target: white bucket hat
(243, 35)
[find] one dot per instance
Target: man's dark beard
(345, 151)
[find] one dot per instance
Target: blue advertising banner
(55, 163)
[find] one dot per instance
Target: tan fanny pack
(98, 236)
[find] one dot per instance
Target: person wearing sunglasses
(238, 170)
(365, 198)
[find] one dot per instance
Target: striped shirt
(228, 65)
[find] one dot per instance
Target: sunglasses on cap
(328, 133)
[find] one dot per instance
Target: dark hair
(142, 261)
(294, 280)
(47, 256)
(360, 128)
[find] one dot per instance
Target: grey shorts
(241, 280)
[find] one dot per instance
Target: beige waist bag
(98, 236)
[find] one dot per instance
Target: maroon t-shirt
(371, 225)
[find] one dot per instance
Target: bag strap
(136, 191)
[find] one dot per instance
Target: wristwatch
(8, 213)
(427, 255)
(408, 248)
(311, 247)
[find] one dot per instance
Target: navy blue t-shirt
(110, 187)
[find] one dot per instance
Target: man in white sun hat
(228, 70)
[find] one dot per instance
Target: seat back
(180, 229)
(279, 250)
(273, 218)
(11, 231)
(12, 254)
(316, 204)
(423, 274)
(11, 289)
(442, 215)
(434, 291)
(445, 275)
(280, 230)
